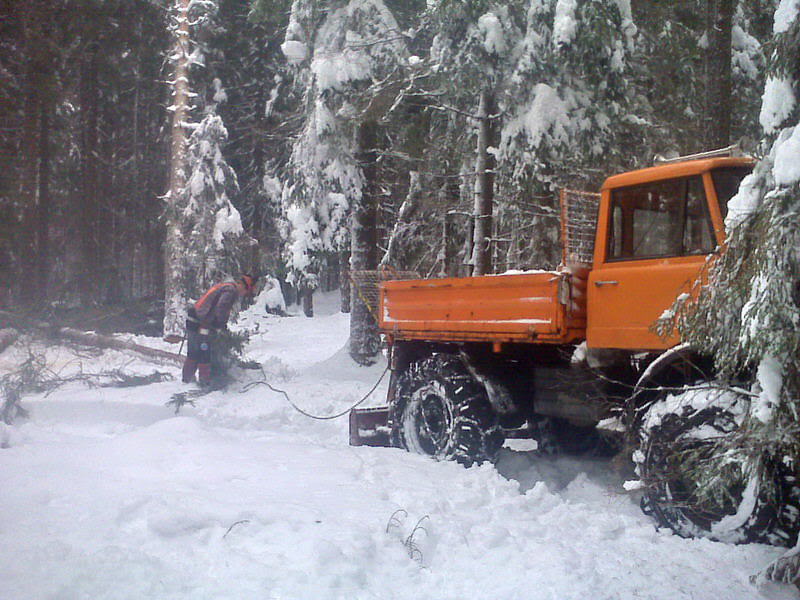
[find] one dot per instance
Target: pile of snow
(106, 493)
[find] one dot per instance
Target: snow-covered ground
(106, 493)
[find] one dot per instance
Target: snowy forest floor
(106, 493)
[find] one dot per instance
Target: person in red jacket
(204, 318)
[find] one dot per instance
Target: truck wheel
(697, 490)
(442, 410)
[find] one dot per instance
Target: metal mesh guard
(366, 284)
(578, 226)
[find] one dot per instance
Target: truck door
(657, 236)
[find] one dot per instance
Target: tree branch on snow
(785, 569)
(35, 375)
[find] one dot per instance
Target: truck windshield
(726, 182)
(660, 219)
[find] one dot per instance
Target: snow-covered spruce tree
(215, 245)
(322, 172)
(507, 49)
(748, 317)
(258, 113)
(748, 64)
(204, 232)
(209, 227)
(471, 56)
(677, 43)
(568, 107)
(345, 55)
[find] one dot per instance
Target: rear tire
(442, 410)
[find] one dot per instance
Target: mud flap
(370, 426)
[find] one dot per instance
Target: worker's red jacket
(214, 308)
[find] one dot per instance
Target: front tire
(699, 484)
(442, 410)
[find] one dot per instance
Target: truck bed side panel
(521, 307)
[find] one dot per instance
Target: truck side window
(661, 219)
(697, 234)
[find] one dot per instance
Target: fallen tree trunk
(104, 341)
(89, 339)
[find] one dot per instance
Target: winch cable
(252, 384)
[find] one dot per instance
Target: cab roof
(675, 170)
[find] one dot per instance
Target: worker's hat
(249, 283)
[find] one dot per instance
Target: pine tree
(749, 315)
(346, 57)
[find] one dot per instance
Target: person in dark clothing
(204, 318)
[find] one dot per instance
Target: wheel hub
(432, 412)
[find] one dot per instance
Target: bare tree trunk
(407, 210)
(43, 206)
(717, 109)
(108, 234)
(25, 248)
(515, 247)
(344, 280)
(174, 293)
(307, 298)
(447, 245)
(449, 196)
(484, 188)
(88, 225)
(364, 336)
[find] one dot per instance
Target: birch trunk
(484, 189)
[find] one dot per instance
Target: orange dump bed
(542, 306)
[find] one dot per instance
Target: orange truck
(571, 357)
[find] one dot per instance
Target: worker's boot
(189, 367)
(204, 375)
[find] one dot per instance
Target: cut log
(104, 341)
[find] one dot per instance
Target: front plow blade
(370, 426)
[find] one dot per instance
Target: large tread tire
(680, 442)
(442, 410)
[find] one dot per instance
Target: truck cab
(656, 229)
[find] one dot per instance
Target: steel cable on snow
(252, 384)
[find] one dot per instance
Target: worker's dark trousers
(198, 354)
